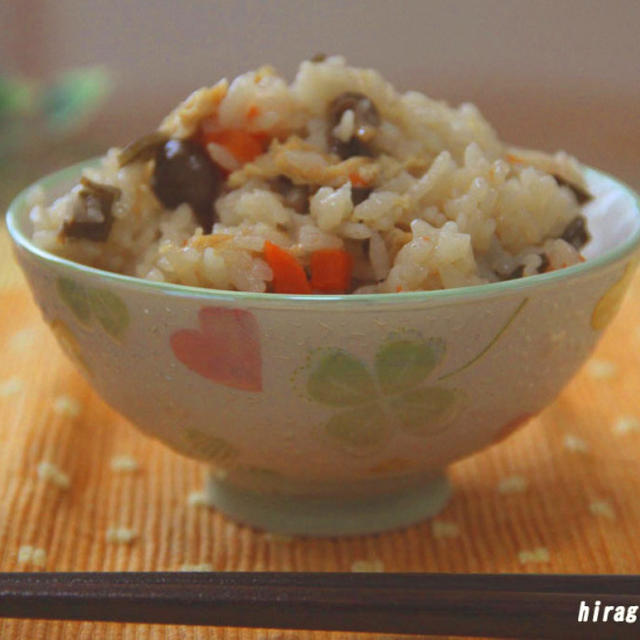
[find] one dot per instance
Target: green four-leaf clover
(371, 404)
(107, 307)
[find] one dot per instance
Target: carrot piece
(253, 112)
(357, 180)
(331, 270)
(243, 145)
(288, 274)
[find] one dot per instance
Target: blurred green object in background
(44, 125)
(69, 102)
(16, 96)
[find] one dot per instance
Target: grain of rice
(203, 566)
(442, 529)
(513, 484)
(66, 405)
(51, 473)
(601, 369)
(379, 256)
(626, 424)
(23, 339)
(367, 566)
(121, 535)
(11, 386)
(198, 499)
(222, 156)
(575, 443)
(602, 508)
(124, 464)
(539, 555)
(345, 128)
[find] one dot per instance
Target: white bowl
(333, 414)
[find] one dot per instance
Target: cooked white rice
(439, 202)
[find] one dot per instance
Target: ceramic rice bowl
(330, 415)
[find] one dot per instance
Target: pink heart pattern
(226, 348)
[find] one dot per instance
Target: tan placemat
(559, 496)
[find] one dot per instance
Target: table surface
(561, 495)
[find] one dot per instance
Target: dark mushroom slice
(518, 272)
(294, 195)
(184, 172)
(581, 194)
(366, 118)
(143, 149)
(97, 187)
(576, 233)
(92, 215)
(319, 57)
(353, 147)
(360, 194)
(544, 265)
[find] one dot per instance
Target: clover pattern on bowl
(395, 394)
(369, 403)
(225, 348)
(88, 303)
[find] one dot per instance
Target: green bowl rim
(462, 293)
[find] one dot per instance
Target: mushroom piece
(184, 172)
(92, 217)
(360, 194)
(581, 194)
(143, 149)
(293, 195)
(366, 120)
(575, 233)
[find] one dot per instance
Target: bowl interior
(613, 215)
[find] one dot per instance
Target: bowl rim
(487, 290)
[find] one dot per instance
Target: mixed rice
(335, 183)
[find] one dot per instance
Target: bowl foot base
(329, 515)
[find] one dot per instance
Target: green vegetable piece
(582, 195)
(359, 430)
(110, 311)
(74, 295)
(17, 96)
(340, 380)
(402, 364)
(143, 149)
(102, 190)
(426, 411)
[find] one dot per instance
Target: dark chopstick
(503, 605)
